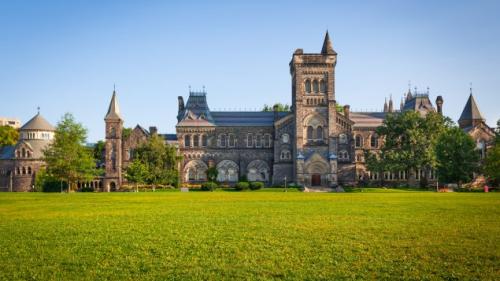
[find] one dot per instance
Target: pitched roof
(367, 119)
(196, 111)
(471, 110)
(38, 123)
(245, 118)
(327, 46)
(113, 110)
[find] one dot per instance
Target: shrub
(242, 185)
(256, 185)
(209, 186)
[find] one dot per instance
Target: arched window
(28, 153)
(18, 170)
(204, 140)
(29, 170)
(308, 86)
(374, 141)
(285, 154)
(231, 140)
(310, 131)
(222, 140)
(196, 141)
(23, 152)
(249, 140)
(359, 141)
(113, 132)
(18, 154)
(24, 170)
(285, 138)
(187, 141)
(322, 86)
(343, 138)
(315, 86)
(319, 133)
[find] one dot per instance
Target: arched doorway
(112, 186)
(315, 179)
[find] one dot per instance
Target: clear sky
(65, 56)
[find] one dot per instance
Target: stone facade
(317, 143)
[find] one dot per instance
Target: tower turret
(113, 146)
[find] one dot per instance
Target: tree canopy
(280, 107)
(67, 157)
(8, 135)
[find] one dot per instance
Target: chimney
(181, 104)
(439, 104)
(347, 110)
(275, 110)
(153, 130)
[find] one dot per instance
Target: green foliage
(409, 142)
(339, 108)
(492, 164)
(161, 161)
(212, 174)
(243, 178)
(256, 185)
(242, 185)
(280, 107)
(45, 182)
(209, 186)
(8, 135)
(67, 158)
(98, 151)
(137, 172)
(264, 235)
(456, 156)
(126, 132)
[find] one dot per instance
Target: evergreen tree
(456, 156)
(67, 157)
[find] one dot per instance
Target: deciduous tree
(8, 135)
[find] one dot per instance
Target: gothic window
(18, 170)
(196, 140)
(24, 170)
(258, 170)
(319, 133)
(195, 170)
(204, 140)
(310, 131)
(359, 141)
(285, 154)
(343, 155)
(227, 171)
(315, 86)
(249, 140)
(374, 141)
(29, 170)
(322, 86)
(308, 86)
(285, 138)
(187, 141)
(112, 132)
(231, 140)
(222, 140)
(343, 138)
(258, 141)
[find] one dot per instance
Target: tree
(212, 174)
(8, 135)
(126, 132)
(98, 151)
(409, 143)
(279, 106)
(492, 163)
(136, 172)
(456, 156)
(67, 158)
(161, 161)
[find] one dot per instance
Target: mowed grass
(250, 235)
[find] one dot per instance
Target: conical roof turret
(327, 46)
(113, 110)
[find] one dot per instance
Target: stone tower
(113, 146)
(314, 107)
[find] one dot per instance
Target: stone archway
(195, 170)
(112, 186)
(228, 171)
(258, 170)
(316, 171)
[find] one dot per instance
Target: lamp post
(285, 185)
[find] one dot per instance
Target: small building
(13, 122)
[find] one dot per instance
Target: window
(343, 155)
(24, 170)
(28, 153)
(18, 154)
(187, 141)
(29, 170)
(249, 140)
(18, 170)
(315, 86)
(322, 86)
(204, 140)
(231, 140)
(359, 141)
(285, 138)
(319, 133)
(343, 138)
(267, 140)
(359, 158)
(310, 133)
(23, 152)
(374, 141)
(285, 155)
(308, 86)
(222, 140)
(196, 141)
(258, 141)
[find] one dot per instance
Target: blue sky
(65, 56)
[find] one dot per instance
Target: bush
(242, 185)
(209, 186)
(256, 185)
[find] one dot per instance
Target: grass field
(250, 235)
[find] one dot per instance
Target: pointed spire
(391, 107)
(402, 104)
(471, 111)
(113, 110)
(327, 46)
(385, 105)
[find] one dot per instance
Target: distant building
(315, 144)
(19, 163)
(13, 122)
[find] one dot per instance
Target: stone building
(317, 143)
(20, 163)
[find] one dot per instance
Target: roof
(37, 146)
(327, 46)
(169, 137)
(419, 102)
(196, 111)
(7, 152)
(113, 110)
(471, 110)
(367, 119)
(245, 118)
(38, 123)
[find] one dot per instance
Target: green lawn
(250, 235)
